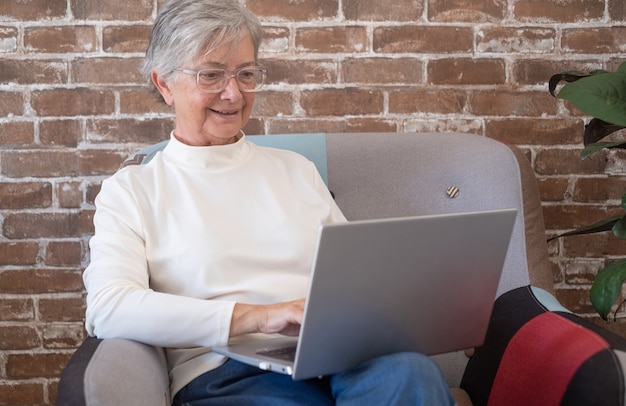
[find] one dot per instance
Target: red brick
(444, 125)
(595, 245)
(341, 102)
(49, 71)
(63, 335)
(420, 39)
(101, 162)
(73, 102)
(463, 71)
(126, 130)
(141, 101)
(75, 38)
(427, 101)
(567, 161)
(301, 71)
(18, 337)
(307, 125)
(8, 39)
(16, 133)
(271, 104)
(535, 11)
(569, 216)
(20, 225)
(467, 10)
(275, 40)
(553, 189)
(125, 38)
(137, 10)
(382, 71)
(294, 10)
(92, 192)
(599, 189)
(69, 194)
(516, 40)
(39, 281)
(25, 195)
(33, 9)
(17, 310)
(40, 163)
(331, 39)
(21, 393)
(107, 70)
(61, 133)
(533, 131)
(509, 103)
(538, 71)
(617, 10)
(86, 222)
(576, 300)
(64, 253)
(594, 40)
(382, 10)
(19, 253)
(36, 365)
(61, 309)
(11, 104)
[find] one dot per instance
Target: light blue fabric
(547, 300)
(312, 146)
(403, 379)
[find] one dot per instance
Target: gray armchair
(536, 352)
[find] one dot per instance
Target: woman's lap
(405, 379)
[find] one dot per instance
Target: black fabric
(600, 380)
(511, 311)
(71, 387)
(597, 382)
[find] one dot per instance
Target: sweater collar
(214, 157)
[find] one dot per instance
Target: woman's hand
(283, 318)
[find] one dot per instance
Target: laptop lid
(425, 284)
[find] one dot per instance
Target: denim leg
(399, 379)
(238, 384)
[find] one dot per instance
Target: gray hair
(187, 29)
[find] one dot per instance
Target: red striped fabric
(542, 342)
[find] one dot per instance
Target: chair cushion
(538, 353)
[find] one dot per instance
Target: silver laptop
(425, 284)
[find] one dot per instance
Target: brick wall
(72, 105)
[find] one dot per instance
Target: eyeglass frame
(227, 76)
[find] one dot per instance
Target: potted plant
(602, 95)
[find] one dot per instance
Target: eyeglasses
(249, 79)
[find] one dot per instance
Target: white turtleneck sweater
(180, 240)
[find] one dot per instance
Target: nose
(231, 91)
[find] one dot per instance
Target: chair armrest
(536, 352)
(115, 372)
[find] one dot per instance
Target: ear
(163, 87)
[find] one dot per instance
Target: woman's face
(210, 118)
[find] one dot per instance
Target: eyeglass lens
(215, 80)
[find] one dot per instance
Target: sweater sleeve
(120, 302)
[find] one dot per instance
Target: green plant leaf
(619, 228)
(598, 129)
(597, 227)
(598, 146)
(601, 95)
(607, 286)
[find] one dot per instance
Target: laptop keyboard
(287, 353)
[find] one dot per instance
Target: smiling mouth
(225, 113)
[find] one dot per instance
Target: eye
(247, 74)
(211, 75)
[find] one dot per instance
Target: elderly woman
(213, 239)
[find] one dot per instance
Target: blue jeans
(398, 379)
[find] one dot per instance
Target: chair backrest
(390, 175)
